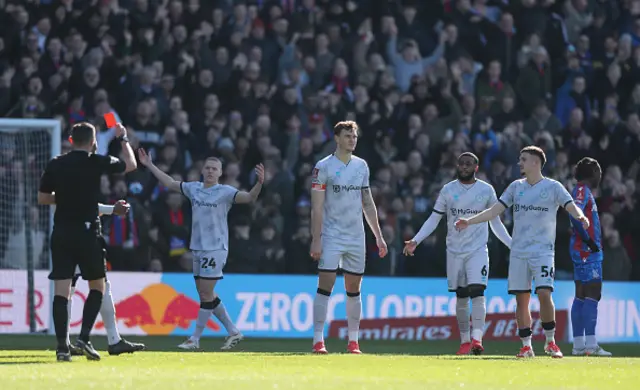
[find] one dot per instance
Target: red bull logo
(157, 310)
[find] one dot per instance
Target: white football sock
(591, 342)
(320, 306)
(550, 335)
(108, 314)
(201, 322)
(220, 311)
(354, 312)
(463, 314)
(579, 342)
(69, 306)
(526, 341)
(478, 314)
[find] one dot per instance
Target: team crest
(479, 198)
(544, 194)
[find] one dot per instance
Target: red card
(110, 119)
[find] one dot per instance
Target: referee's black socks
(90, 313)
(60, 321)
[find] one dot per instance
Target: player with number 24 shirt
(210, 204)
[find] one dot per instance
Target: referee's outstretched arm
(128, 156)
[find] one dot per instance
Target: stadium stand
(264, 80)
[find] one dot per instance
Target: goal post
(26, 146)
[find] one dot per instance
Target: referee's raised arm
(128, 156)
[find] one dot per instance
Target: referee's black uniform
(76, 239)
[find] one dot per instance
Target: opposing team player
(535, 200)
(117, 345)
(72, 183)
(210, 205)
(467, 253)
(587, 262)
(339, 197)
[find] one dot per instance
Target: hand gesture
(409, 247)
(144, 158)
(121, 208)
(316, 249)
(462, 224)
(585, 222)
(260, 173)
(121, 131)
(382, 247)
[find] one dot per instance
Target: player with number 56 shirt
(210, 205)
(535, 201)
(467, 254)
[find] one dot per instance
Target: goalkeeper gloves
(592, 246)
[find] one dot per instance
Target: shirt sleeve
(47, 183)
(319, 178)
(230, 195)
(493, 198)
(508, 195)
(188, 188)
(109, 164)
(562, 196)
(441, 203)
(365, 178)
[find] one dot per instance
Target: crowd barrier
(281, 306)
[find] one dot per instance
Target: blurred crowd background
(265, 80)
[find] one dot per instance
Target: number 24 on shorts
(210, 262)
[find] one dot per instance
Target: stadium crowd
(264, 81)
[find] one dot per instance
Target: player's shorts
(464, 269)
(350, 257)
(209, 264)
(588, 272)
(77, 247)
(78, 273)
(523, 269)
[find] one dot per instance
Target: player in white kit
(467, 253)
(210, 205)
(535, 200)
(339, 197)
(117, 345)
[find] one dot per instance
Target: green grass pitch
(28, 362)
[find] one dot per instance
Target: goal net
(26, 145)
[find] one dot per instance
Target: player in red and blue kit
(586, 253)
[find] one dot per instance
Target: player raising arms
(210, 205)
(340, 195)
(467, 253)
(535, 200)
(587, 262)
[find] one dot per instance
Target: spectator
(264, 82)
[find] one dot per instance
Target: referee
(72, 182)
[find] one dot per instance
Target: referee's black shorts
(80, 246)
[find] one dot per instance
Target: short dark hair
(535, 151)
(469, 154)
(587, 168)
(214, 159)
(345, 125)
(83, 133)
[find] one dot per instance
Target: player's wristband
(123, 138)
(104, 209)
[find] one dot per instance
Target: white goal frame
(54, 126)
